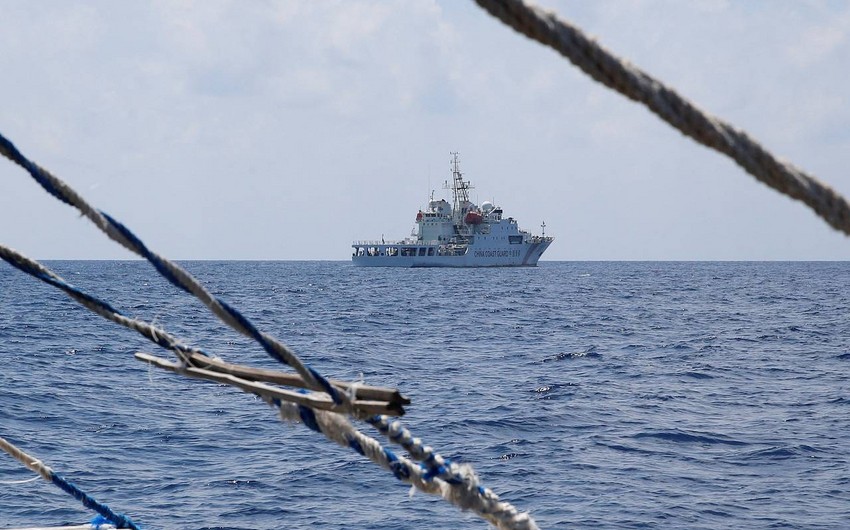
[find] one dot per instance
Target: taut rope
(617, 74)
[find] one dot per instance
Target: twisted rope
(437, 466)
(172, 272)
(34, 464)
(156, 335)
(615, 73)
(464, 490)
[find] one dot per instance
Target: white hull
(389, 255)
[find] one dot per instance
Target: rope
(617, 74)
(171, 271)
(34, 464)
(465, 493)
(156, 335)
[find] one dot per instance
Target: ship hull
(524, 255)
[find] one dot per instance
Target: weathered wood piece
(316, 401)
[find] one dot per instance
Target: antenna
(460, 190)
(543, 228)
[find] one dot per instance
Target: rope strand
(617, 74)
(36, 465)
(465, 493)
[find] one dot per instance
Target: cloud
(819, 41)
(200, 114)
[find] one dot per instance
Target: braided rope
(172, 272)
(156, 335)
(617, 74)
(438, 466)
(464, 491)
(34, 464)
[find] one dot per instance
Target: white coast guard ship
(461, 234)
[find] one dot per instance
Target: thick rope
(465, 493)
(34, 464)
(171, 271)
(156, 335)
(603, 66)
(437, 466)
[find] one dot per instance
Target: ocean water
(594, 395)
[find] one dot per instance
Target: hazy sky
(287, 129)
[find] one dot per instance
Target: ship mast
(460, 191)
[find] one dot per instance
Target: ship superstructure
(460, 234)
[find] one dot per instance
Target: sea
(681, 395)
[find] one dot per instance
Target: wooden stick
(373, 393)
(315, 401)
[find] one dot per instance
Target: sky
(284, 130)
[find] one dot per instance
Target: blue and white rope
(436, 465)
(158, 336)
(461, 487)
(117, 519)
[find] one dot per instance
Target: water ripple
(595, 395)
